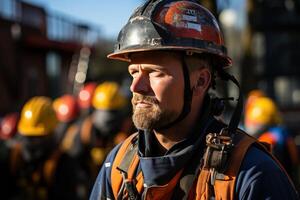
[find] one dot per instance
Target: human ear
(201, 82)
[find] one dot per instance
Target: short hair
(203, 60)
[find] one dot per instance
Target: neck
(168, 137)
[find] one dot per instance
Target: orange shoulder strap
(68, 140)
(116, 177)
(50, 166)
(225, 183)
(225, 187)
(86, 129)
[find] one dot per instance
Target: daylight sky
(109, 15)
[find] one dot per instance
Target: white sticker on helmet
(189, 18)
(194, 26)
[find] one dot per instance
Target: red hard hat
(85, 95)
(66, 108)
(171, 25)
(8, 125)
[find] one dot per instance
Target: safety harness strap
(126, 158)
(223, 185)
(86, 130)
(68, 140)
(209, 183)
(191, 171)
(50, 166)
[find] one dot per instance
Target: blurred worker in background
(39, 168)
(8, 132)
(263, 120)
(110, 117)
(252, 95)
(8, 128)
(91, 138)
(84, 98)
(67, 111)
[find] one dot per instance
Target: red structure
(37, 52)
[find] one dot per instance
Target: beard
(152, 117)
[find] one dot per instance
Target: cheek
(159, 87)
(167, 91)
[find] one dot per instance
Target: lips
(142, 104)
(141, 101)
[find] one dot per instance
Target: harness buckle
(219, 146)
(129, 186)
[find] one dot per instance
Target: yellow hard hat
(107, 96)
(262, 111)
(37, 117)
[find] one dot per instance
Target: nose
(141, 84)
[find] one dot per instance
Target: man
(252, 96)
(67, 112)
(84, 98)
(91, 138)
(8, 130)
(173, 49)
(263, 121)
(39, 168)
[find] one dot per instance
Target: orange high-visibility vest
(223, 188)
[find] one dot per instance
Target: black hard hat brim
(125, 54)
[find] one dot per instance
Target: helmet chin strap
(236, 116)
(188, 94)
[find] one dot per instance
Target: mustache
(147, 99)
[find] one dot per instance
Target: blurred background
(54, 47)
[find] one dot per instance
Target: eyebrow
(148, 67)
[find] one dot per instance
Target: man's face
(157, 88)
